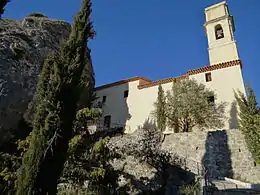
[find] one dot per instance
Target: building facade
(128, 103)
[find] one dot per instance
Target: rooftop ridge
(163, 81)
(214, 67)
(136, 78)
(149, 83)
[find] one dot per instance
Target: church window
(208, 77)
(104, 99)
(219, 32)
(211, 100)
(126, 94)
(107, 121)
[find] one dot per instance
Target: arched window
(219, 32)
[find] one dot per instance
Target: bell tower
(220, 30)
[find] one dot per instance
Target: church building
(128, 103)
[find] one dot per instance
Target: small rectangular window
(208, 77)
(104, 99)
(211, 100)
(107, 121)
(126, 94)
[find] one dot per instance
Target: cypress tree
(160, 109)
(58, 93)
(249, 122)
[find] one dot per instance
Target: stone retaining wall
(222, 153)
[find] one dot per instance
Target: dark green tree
(160, 109)
(88, 158)
(190, 104)
(249, 122)
(58, 93)
(2, 5)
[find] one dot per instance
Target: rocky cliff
(23, 46)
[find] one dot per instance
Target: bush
(190, 189)
(37, 14)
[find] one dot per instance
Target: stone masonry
(221, 153)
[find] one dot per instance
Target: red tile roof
(142, 80)
(215, 67)
(168, 80)
(145, 83)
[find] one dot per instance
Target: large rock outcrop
(23, 47)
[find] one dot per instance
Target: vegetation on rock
(249, 122)
(37, 14)
(168, 166)
(11, 157)
(57, 96)
(191, 104)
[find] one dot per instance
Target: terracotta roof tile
(145, 83)
(215, 67)
(141, 81)
(168, 80)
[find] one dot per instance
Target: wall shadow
(233, 121)
(217, 160)
(114, 101)
(169, 175)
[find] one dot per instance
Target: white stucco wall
(142, 104)
(223, 53)
(133, 110)
(138, 106)
(224, 82)
(224, 49)
(116, 105)
(215, 11)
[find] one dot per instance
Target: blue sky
(154, 39)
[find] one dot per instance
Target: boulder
(23, 46)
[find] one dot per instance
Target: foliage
(9, 164)
(160, 109)
(250, 121)
(2, 5)
(188, 105)
(11, 156)
(92, 165)
(72, 190)
(36, 14)
(58, 92)
(88, 158)
(168, 167)
(150, 140)
(190, 189)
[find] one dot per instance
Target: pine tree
(160, 109)
(57, 95)
(249, 122)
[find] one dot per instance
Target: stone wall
(222, 153)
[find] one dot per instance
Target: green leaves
(188, 105)
(250, 121)
(160, 109)
(58, 94)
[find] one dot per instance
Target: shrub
(37, 14)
